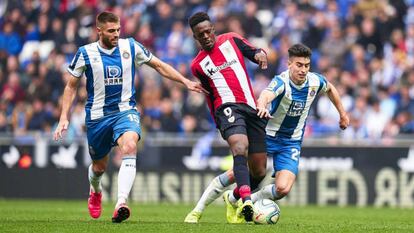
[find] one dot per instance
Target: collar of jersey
(107, 51)
(299, 86)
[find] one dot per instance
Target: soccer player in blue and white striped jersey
(290, 96)
(111, 114)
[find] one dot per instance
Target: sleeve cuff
(73, 73)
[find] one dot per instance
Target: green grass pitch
(72, 216)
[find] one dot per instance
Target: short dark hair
(198, 18)
(299, 50)
(105, 17)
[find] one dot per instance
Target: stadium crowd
(365, 48)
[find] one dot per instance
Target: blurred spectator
(20, 118)
(38, 118)
(10, 41)
(162, 20)
(405, 101)
(315, 31)
(355, 130)
(370, 39)
(4, 125)
(375, 120)
(334, 46)
(145, 36)
(71, 39)
(405, 122)
(44, 28)
(175, 39)
(12, 91)
(234, 25)
(251, 25)
(77, 119)
(188, 125)
(369, 8)
(195, 105)
(169, 122)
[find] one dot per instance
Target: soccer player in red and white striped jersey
(222, 71)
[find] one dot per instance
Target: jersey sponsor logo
(296, 108)
(113, 74)
(113, 81)
(214, 70)
(113, 71)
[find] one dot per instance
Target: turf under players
(222, 71)
(111, 115)
(290, 95)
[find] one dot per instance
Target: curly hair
(198, 18)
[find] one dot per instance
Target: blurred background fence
(175, 169)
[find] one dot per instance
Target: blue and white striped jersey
(109, 75)
(291, 106)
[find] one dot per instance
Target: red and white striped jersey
(222, 71)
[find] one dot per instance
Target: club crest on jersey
(312, 92)
(125, 55)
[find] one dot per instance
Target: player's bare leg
(284, 181)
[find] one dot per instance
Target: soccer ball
(266, 212)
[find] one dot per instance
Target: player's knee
(239, 148)
(99, 169)
(282, 190)
(129, 147)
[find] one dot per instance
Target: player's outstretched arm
(336, 100)
(67, 99)
(169, 72)
(265, 98)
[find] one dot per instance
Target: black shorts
(235, 118)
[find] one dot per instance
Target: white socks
(232, 199)
(216, 187)
(126, 177)
(94, 180)
(267, 192)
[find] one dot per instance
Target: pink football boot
(95, 204)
